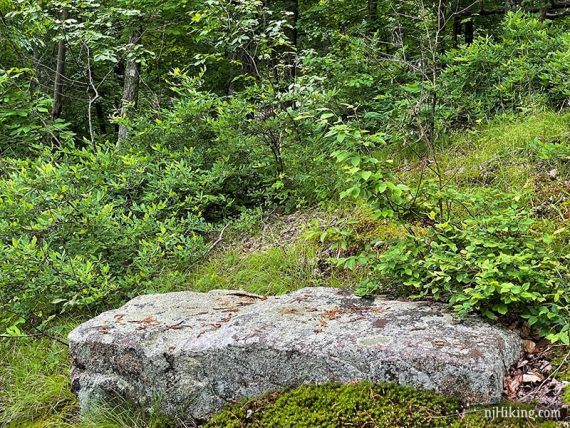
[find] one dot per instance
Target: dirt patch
(280, 231)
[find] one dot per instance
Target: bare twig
(217, 241)
(549, 377)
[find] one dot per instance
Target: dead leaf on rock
(243, 294)
(148, 320)
(227, 319)
(145, 323)
(179, 325)
(333, 314)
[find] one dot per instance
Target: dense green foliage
(84, 227)
(478, 245)
(493, 261)
(525, 67)
(23, 121)
(139, 139)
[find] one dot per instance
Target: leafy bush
(271, 150)
(367, 176)
(551, 150)
(24, 117)
(493, 258)
(529, 59)
(87, 227)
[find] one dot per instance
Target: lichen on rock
(195, 352)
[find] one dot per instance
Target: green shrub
(489, 256)
(529, 61)
(551, 150)
(271, 153)
(24, 117)
(85, 228)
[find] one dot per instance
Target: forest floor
(274, 255)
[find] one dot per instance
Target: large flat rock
(191, 353)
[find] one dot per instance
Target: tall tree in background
(471, 14)
(293, 8)
(372, 17)
(131, 84)
(293, 35)
(60, 69)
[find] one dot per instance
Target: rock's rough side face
(191, 353)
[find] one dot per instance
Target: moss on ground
(361, 405)
(327, 406)
(272, 271)
(499, 155)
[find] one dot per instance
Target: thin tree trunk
(372, 16)
(295, 18)
(95, 99)
(469, 32)
(544, 5)
(293, 36)
(57, 105)
(101, 117)
(456, 31)
(34, 80)
(130, 86)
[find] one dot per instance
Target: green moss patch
(361, 405)
(355, 405)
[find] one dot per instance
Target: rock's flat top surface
(194, 352)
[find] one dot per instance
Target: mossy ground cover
(362, 405)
